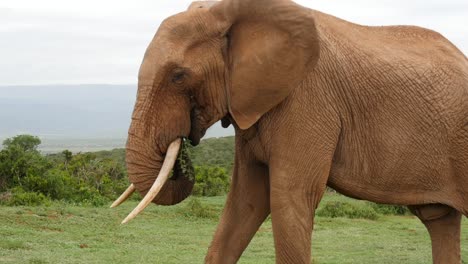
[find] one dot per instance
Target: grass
(181, 234)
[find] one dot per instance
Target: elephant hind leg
(443, 224)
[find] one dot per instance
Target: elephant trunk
(144, 162)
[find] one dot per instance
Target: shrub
(54, 183)
(195, 209)
(88, 195)
(390, 209)
(18, 159)
(96, 200)
(210, 181)
(21, 197)
(335, 209)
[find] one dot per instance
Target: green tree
(67, 155)
(20, 158)
(25, 142)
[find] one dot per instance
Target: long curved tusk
(124, 196)
(169, 161)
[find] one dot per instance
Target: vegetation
(29, 178)
(210, 181)
(215, 152)
(19, 159)
(335, 209)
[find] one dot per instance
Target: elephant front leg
(294, 197)
(246, 208)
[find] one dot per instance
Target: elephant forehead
(155, 58)
(163, 50)
(176, 35)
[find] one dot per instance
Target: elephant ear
(272, 45)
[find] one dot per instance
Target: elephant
(377, 113)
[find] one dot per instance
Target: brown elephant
(377, 113)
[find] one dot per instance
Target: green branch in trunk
(184, 161)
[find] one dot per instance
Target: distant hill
(217, 152)
(81, 117)
(80, 111)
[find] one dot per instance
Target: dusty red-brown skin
(378, 113)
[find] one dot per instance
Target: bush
(54, 183)
(390, 209)
(20, 197)
(195, 209)
(96, 200)
(20, 158)
(89, 195)
(335, 209)
(210, 181)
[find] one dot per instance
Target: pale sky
(103, 41)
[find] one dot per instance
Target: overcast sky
(103, 41)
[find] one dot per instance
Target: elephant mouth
(181, 181)
(173, 184)
(195, 136)
(196, 130)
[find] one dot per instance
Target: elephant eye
(178, 77)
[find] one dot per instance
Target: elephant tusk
(124, 196)
(169, 161)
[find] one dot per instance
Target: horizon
(67, 114)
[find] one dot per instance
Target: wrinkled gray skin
(378, 113)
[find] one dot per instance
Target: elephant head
(217, 58)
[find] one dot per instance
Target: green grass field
(68, 234)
